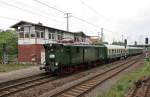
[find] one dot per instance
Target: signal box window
(38, 34)
(32, 35)
(26, 35)
(51, 35)
(59, 37)
(42, 34)
(21, 35)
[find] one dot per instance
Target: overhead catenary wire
(9, 18)
(32, 13)
(63, 12)
(93, 10)
(49, 6)
(86, 21)
(25, 10)
(33, 7)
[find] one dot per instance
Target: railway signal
(146, 40)
(135, 43)
(125, 43)
(146, 43)
(5, 54)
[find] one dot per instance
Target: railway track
(141, 88)
(23, 84)
(12, 87)
(10, 82)
(83, 87)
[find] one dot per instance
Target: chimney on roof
(40, 23)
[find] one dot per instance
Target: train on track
(67, 58)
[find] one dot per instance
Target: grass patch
(11, 67)
(126, 81)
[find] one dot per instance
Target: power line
(50, 6)
(28, 11)
(86, 22)
(9, 18)
(108, 30)
(31, 12)
(93, 10)
(34, 7)
(65, 13)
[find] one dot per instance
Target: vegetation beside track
(11, 67)
(127, 81)
(9, 37)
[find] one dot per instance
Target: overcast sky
(130, 18)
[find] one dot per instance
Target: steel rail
(83, 87)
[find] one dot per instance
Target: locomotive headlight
(51, 56)
(56, 63)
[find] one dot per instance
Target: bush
(127, 81)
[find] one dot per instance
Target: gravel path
(33, 70)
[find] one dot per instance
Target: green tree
(9, 37)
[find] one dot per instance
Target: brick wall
(30, 53)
